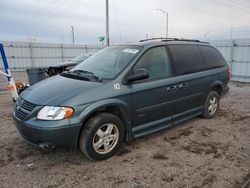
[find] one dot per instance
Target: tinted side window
(156, 61)
(212, 57)
(187, 59)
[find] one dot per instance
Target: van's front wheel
(101, 136)
(211, 105)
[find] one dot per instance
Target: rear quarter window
(212, 57)
(187, 58)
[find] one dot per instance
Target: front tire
(101, 136)
(211, 105)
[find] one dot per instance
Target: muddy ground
(197, 153)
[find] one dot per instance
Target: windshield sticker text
(132, 51)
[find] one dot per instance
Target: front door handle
(184, 85)
(171, 88)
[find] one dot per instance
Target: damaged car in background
(66, 65)
(38, 74)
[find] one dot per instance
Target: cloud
(50, 20)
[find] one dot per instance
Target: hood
(56, 90)
(64, 64)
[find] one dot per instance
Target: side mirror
(138, 74)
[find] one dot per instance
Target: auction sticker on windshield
(129, 50)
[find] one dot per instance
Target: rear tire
(211, 105)
(101, 136)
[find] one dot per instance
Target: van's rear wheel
(211, 105)
(101, 136)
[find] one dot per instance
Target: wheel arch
(113, 106)
(217, 86)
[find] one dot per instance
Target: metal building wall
(237, 54)
(22, 55)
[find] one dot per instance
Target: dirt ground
(197, 153)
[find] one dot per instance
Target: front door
(151, 98)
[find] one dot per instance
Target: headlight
(54, 113)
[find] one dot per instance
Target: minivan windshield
(108, 62)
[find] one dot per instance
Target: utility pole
(231, 34)
(73, 34)
(166, 14)
(107, 22)
(232, 49)
(166, 24)
(205, 35)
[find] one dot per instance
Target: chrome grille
(27, 105)
(21, 115)
(23, 108)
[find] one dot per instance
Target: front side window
(108, 62)
(156, 62)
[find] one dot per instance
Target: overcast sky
(130, 20)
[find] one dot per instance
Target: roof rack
(174, 39)
(160, 38)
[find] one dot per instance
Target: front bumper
(49, 137)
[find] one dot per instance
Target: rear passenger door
(189, 82)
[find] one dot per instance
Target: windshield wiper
(83, 71)
(78, 71)
(73, 75)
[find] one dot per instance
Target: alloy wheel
(105, 138)
(213, 105)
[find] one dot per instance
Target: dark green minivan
(121, 93)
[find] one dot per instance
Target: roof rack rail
(193, 40)
(174, 39)
(160, 38)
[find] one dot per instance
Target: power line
(49, 13)
(234, 3)
(230, 6)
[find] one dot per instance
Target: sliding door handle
(171, 88)
(184, 85)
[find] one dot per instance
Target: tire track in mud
(199, 153)
(216, 148)
(207, 147)
(233, 116)
(244, 182)
(179, 134)
(16, 152)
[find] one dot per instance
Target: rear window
(212, 57)
(187, 59)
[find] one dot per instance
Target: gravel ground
(197, 153)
